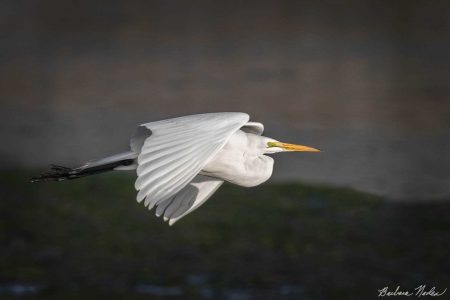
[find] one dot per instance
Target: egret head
(273, 146)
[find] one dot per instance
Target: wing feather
(162, 206)
(176, 158)
(253, 127)
(173, 184)
(181, 147)
(176, 151)
(188, 199)
(180, 180)
(166, 176)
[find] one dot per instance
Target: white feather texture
(253, 127)
(177, 150)
(188, 199)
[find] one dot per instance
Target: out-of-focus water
(413, 167)
(366, 81)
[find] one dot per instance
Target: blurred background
(366, 81)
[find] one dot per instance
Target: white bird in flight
(181, 162)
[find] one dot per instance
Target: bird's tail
(123, 161)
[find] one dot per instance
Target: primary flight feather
(181, 162)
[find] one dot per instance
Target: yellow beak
(293, 147)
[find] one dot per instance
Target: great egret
(181, 162)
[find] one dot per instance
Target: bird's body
(181, 162)
(240, 161)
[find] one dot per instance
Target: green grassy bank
(90, 238)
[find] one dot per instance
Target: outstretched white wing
(178, 149)
(188, 199)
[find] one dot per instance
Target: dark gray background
(366, 81)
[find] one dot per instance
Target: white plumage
(181, 162)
